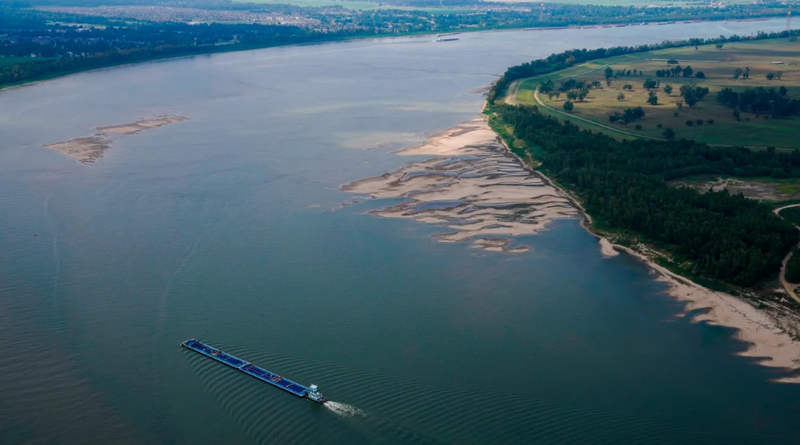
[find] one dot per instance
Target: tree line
(573, 57)
(623, 184)
(760, 100)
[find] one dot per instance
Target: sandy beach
(88, 150)
(472, 184)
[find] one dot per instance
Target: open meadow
(708, 121)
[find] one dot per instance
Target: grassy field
(792, 214)
(348, 4)
(6, 61)
(718, 66)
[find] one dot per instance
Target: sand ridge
(89, 149)
(473, 186)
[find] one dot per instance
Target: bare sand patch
(607, 248)
(89, 149)
(765, 333)
(86, 150)
(472, 186)
(141, 125)
(753, 189)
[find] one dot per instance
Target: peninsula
(718, 249)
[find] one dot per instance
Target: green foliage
(649, 83)
(792, 214)
(668, 89)
(669, 134)
(621, 96)
(652, 98)
(700, 75)
(760, 100)
(623, 183)
(568, 106)
(630, 115)
(793, 267)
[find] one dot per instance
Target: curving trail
(787, 285)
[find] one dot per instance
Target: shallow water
(229, 228)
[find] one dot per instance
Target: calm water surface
(228, 228)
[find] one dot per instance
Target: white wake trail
(343, 409)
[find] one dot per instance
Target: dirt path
(787, 285)
(589, 121)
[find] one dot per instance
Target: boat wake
(343, 409)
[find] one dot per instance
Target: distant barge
(312, 392)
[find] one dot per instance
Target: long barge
(311, 392)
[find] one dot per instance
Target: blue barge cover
(274, 379)
(214, 353)
(248, 368)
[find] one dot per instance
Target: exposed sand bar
(475, 187)
(88, 149)
(472, 186)
(141, 125)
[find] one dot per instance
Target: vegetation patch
(719, 93)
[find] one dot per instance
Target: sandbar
(89, 149)
(477, 188)
(470, 185)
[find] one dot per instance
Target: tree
(687, 72)
(582, 94)
(778, 74)
(679, 104)
(699, 122)
(700, 75)
(649, 83)
(720, 45)
(770, 76)
(609, 72)
(628, 87)
(783, 91)
(620, 96)
(689, 123)
(558, 94)
(737, 73)
(652, 98)
(669, 133)
(710, 122)
(568, 106)
(668, 89)
(572, 95)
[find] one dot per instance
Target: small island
(89, 149)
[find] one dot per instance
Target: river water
(229, 228)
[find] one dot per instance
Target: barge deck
(262, 374)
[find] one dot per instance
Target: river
(230, 227)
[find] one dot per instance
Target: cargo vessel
(311, 392)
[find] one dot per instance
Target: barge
(311, 392)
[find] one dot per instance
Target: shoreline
(763, 332)
(612, 25)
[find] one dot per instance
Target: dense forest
(623, 184)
